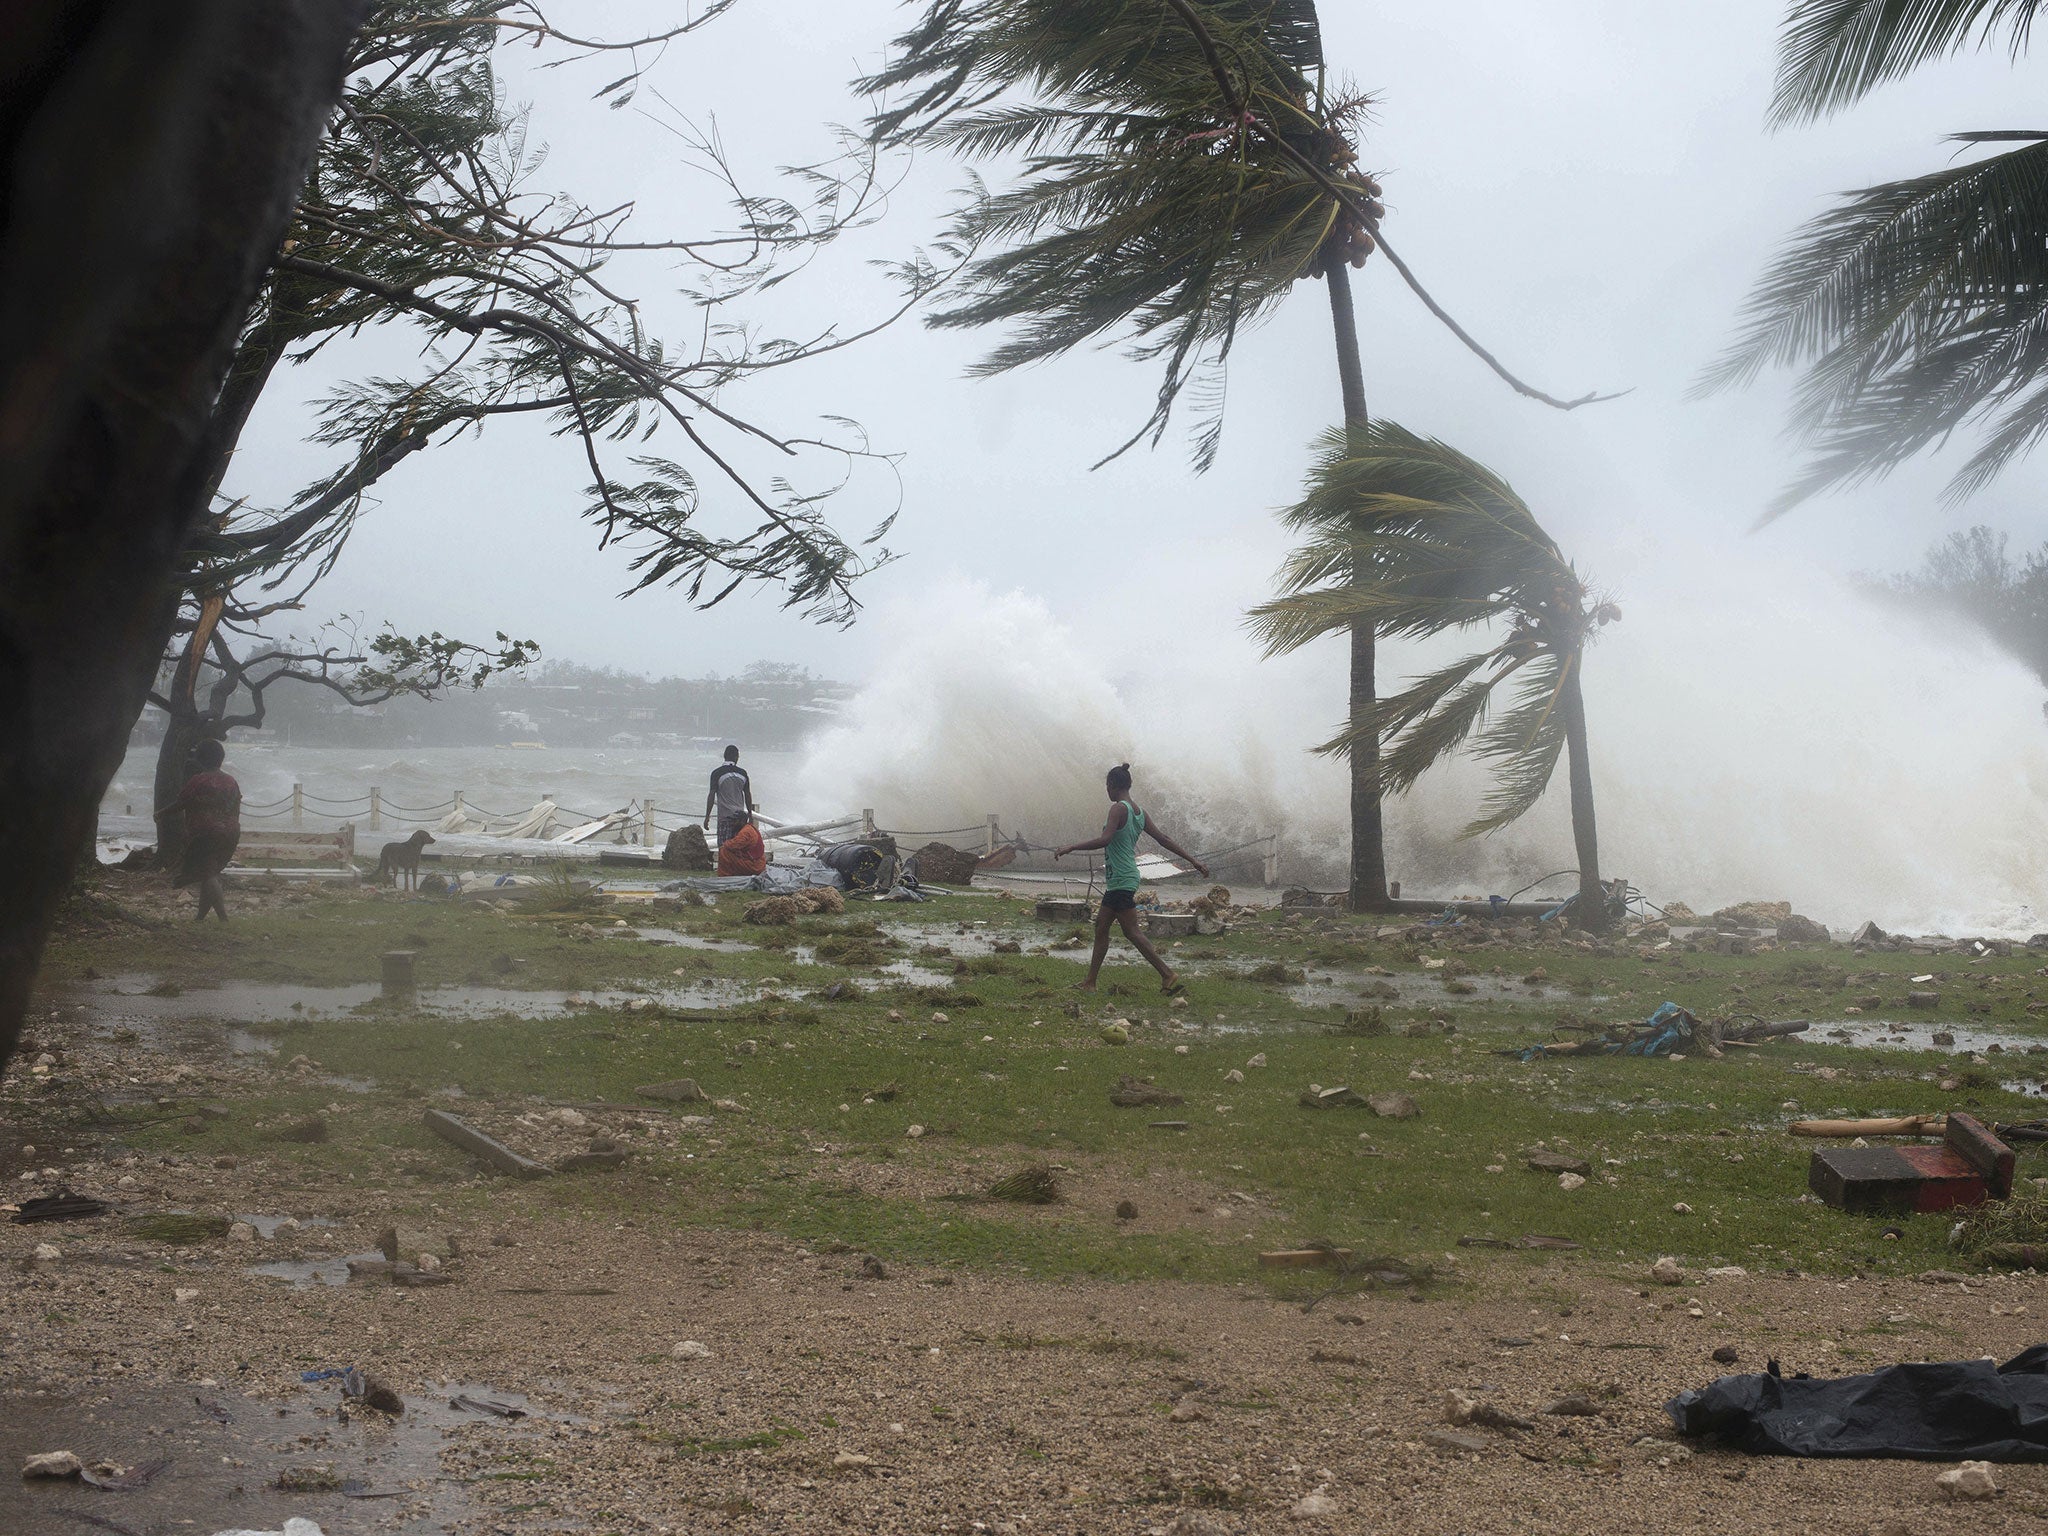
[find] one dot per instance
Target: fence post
(647, 823)
(867, 823)
(298, 807)
(458, 812)
(376, 809)
(1273, 860)
(993, 832)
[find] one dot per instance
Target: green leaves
(1836, 51)
(1142, 211)
(1417, 539)
(1916, 308)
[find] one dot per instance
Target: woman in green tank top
(1119, 842)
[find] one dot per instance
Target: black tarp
(1959, 1410)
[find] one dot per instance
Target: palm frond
(1523, 745)
(1916, 309)
(1833, 52)
(1143, 211)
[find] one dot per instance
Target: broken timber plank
(1305, 1258)
(491, 1150)
(1903, 1125)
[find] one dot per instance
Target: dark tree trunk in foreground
(1591, 911)
(149, 156)
(1368, 845)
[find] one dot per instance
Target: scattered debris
(1034, 1184)
(52, 1465)
(1671, 1031)
(1332, 1098)
(63, 1206)
(180, 1228)
(488, 1148)
(1306, 1258)
(1939, 1411)
(691, 1349)
(1393, 1106)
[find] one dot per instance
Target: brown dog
(401, 861)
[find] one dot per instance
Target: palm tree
(1409, 537)
(1917, 307)
(1185, 163)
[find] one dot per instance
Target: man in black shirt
(731, 795)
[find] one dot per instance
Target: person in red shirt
(743, 853)
(212, 805)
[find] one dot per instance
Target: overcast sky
(1587, 186)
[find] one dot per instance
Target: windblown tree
(1415, 539)
(1183, 164)
(1916, 309)
(149, 157)
(422, 216)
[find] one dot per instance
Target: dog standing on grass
(400, 862)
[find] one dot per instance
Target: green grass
(1017, 1070)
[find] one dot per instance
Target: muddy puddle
(138, 1001)
(1350, 989)
(693, 941)
(222, 1455)
(304, 1274)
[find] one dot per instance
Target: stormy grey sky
(1588, 186)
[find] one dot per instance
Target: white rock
(1728, 1272)
(851, 1461)
(1459, 1406)
(1571, 1181)
(1314, 1506)
(1180, 1050)
(1682, 1208)
(48, 1253)
(241, 1232)
(1233, 1076)
(690, 1349)
(126, 1181)
(576, 1117)
(429, 1264)
(52, 1464)
(185, 1293)
(1971, 1480)
(1258, 1060)
(914, 1132)
(1666, 1271)
(940, 1018)
(1186, 1411)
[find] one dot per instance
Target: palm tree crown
(1142, 206)
(1417, 539)
(1916, 307)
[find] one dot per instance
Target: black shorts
(1119, 901)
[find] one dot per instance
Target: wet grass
(1006, 1063)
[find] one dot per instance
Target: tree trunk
(149, 155)
(1591, 911)
(1368, 844)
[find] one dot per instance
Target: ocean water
(500, 780)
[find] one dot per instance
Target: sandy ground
(978, 1403)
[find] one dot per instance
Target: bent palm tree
(1413, 538)
(1918, 307)
(1185, 163)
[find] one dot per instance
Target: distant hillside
(769, 705)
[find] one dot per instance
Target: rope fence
(644, 823)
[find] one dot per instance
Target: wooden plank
(1903, 1125)
(1969, 1138)
(1305, 1258)
(475, 1142)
